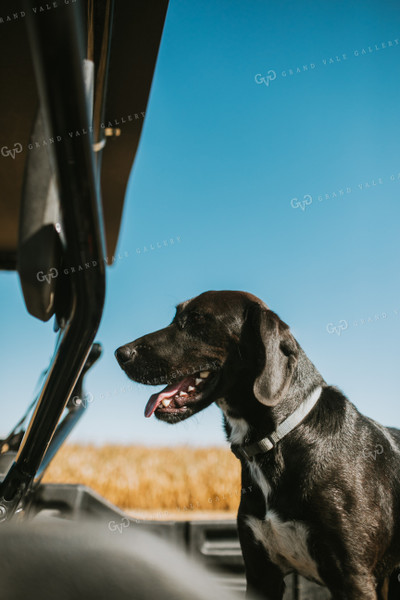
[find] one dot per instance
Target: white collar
(283, 429)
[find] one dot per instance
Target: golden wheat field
(135, 477)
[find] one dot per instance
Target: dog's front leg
(354, 587)
(264, 579)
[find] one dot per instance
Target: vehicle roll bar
(57, 47)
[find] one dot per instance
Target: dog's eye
(191, 318)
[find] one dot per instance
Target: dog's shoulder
(340, 411)
(336, 414)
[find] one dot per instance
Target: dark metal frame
(57, 44)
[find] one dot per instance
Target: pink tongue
(156, 399)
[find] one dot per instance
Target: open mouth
(177, 397)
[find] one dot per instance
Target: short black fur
(337, 473)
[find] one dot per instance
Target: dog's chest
(284, 541)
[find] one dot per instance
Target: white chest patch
(286, 544)
(260, 480)
(239, 426)
(284, 541)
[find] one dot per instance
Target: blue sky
(224, 170)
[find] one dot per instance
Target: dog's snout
(124, 353)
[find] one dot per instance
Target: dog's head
(217, 344)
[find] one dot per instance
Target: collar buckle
(269, 442)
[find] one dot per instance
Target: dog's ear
(278, 359)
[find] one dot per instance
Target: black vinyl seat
(89, 561)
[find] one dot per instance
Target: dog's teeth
(191, 388)
(182, 393)
(166, 402)
(198, 380)
(204, 374)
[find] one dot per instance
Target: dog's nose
(123, 354)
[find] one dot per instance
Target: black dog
(326, 479)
